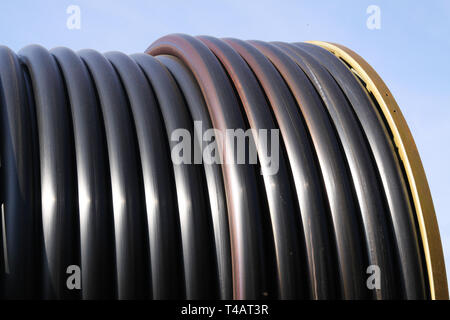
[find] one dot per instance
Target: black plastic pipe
(95, 205)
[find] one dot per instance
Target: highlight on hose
(210, 168)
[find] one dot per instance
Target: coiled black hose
(87, 177)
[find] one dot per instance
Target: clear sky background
(410, 51)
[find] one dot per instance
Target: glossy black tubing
(389, 169)
(251, 277)
(18, 211)
(118, 171)
(281, 198)
(321, 141)
(98, 264)
(213, 173)
(36, 179)
(59, 205)
(355, 145)
(160, 194)
(374, 214)
(200, 268)
(130, 221)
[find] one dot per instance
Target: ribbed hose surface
(88, 179)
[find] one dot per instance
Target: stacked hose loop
(88, 177)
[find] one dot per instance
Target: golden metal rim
(411, 161)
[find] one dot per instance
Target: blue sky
(410, 51)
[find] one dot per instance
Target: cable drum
(210, 168)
